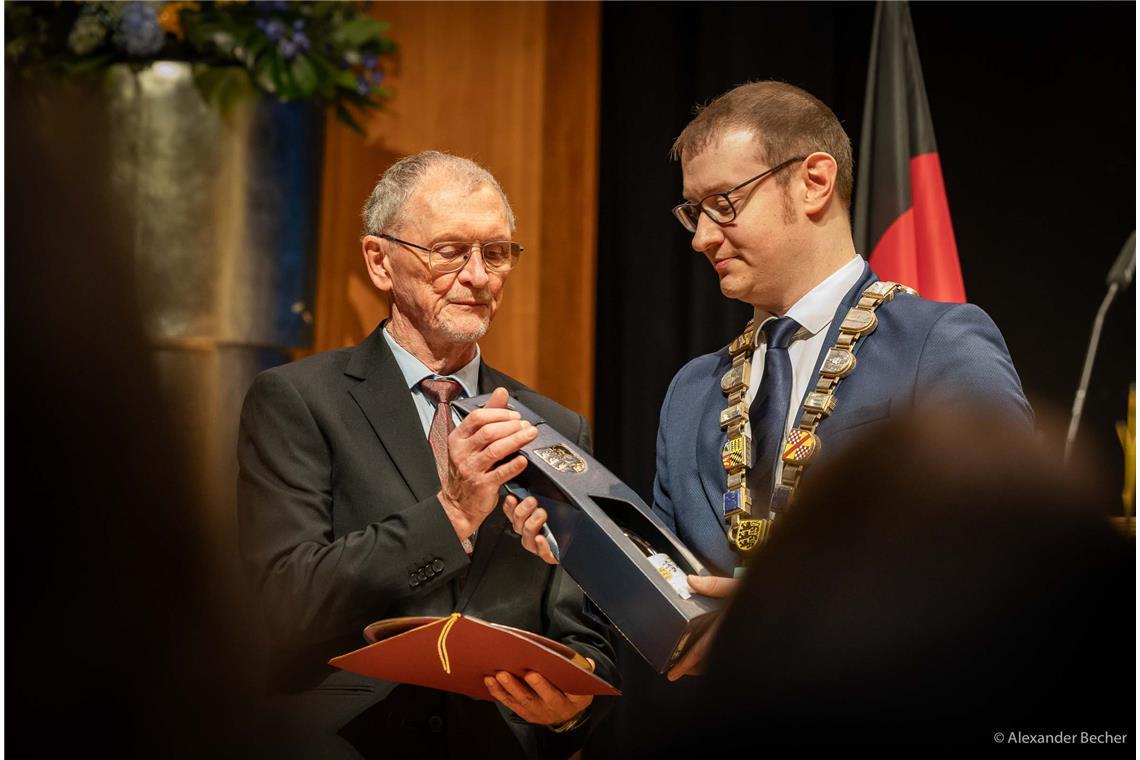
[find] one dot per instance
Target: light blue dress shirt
(414, 371)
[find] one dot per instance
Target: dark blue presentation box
(590, 514)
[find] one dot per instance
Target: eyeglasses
(499, 256)
(718, 206)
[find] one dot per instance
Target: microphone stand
(1120, 275)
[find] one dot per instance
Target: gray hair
(386, 203)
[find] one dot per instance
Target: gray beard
(454, 333)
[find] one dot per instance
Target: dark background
(1033, 108)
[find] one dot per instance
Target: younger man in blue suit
(767, 186)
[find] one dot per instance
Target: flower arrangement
(324, 52)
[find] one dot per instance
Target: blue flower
(363, 86)
(138, 32)
(288, 49)
(300, 40)
(274, 29)
(298, 24)
(370, 61)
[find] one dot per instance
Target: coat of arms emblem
(561, 458)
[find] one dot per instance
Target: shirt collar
(414, 370)
(815, 310)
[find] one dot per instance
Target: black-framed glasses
(499, 256)
(718, 206)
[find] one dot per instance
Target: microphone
(1120, 276)
(1125, 265)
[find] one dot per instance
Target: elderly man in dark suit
(362, 496)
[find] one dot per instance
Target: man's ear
(376, 261)
(819, 171)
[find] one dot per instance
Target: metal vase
(223, 211)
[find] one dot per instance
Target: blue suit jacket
(921, 353)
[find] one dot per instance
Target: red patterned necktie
(442, 392)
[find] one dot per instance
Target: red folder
(454, 654)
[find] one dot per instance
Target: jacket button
(437, 566)
(413, 581)
(435, 724)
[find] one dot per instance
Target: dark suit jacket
(340, 526)
(922, 352)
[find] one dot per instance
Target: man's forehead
(439, 185)
(442, 201)
(719, 164)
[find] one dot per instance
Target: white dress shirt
(814, 312)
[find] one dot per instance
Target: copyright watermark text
(1060, 737)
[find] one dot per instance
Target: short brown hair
(786, 121)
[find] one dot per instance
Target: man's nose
(474, 273)
(708, 234)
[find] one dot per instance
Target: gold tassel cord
(441, 645)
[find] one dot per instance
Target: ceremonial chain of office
(746, 532)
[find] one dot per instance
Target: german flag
(902, 220)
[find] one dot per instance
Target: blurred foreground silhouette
(939, 583)
(112, 643)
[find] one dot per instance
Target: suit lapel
(490, 379)
(489, 534)
(392, 414)
(492, 528)
(710, 442)
(849, 301)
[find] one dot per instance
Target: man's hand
(534, 699)
(527, 520)
(482, 439)
(693, 661)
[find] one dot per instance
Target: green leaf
(344, 79)
(279, 76)
(263, 72)
(345, 116)
(359, 31)
(327, 76)
(222, 86)
(304, 75)
(254, 47)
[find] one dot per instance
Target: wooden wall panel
(515, 87)
(569, 204)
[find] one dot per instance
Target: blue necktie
(769, 411)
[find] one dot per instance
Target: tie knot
(440, 391)
(780, 331)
